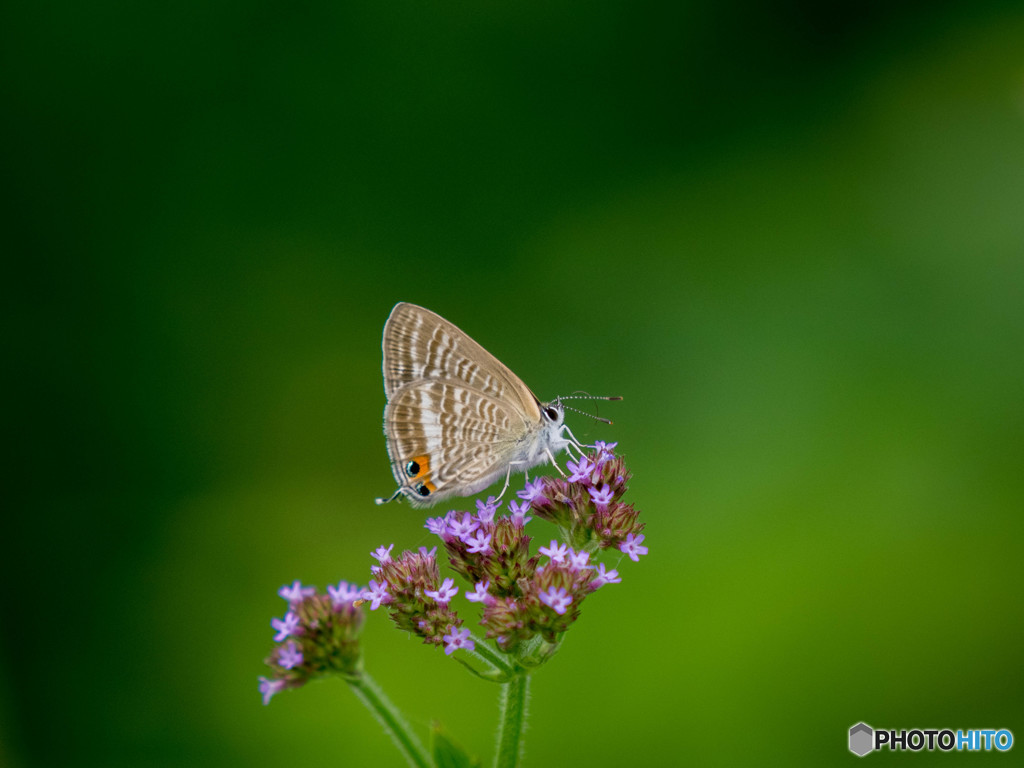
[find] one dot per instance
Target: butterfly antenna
(595, 418)
(588, 397)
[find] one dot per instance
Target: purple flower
(555, 551)
(427, 553)
(605, 577)
(557, 598)
(445, 593)
(519, 510)
(479, 544)
(383, 554)
(480, 594)
(605, 451)
(463, 529)
(580, 471)
(533, 490)
(485, 509)
(296, 592)
(437, 525)
(601, 496)
(289, 656)
(269, 687)
(286, 627)
(457, 638)
(343, 593)
(578, 561)
(631, 546)
(377, 593)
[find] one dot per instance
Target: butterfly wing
(447, 439)
(419, 344)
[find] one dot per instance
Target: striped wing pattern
(420, 344)
(450, 436)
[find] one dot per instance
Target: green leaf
(448, 754)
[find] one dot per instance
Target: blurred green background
(791, 236)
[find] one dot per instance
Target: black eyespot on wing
(412, 469)
(422, 490)
(551, 413)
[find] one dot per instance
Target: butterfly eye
(412, 469)
(422, 490)
(551, 413)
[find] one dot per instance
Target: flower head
(317, 637)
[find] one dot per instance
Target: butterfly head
(553, 414)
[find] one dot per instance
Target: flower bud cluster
(522, 596)
(319, 635)
(588, 504)
(417, 599)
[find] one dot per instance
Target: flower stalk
(512, 720)
(388, 715)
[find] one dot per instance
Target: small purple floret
(286, 627)
(296, 592)
(555, 551)
(289, 656)
(457, 638)
(444, 593)
(605, 577)
(556, 597)
(480, 594)
(343, 594)
(377, 593)
(534, 490)
(269, 687)
(631, 546)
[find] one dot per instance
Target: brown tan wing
(419, 344)
(443, 437)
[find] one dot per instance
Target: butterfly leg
(508, 478)
(573, 441)
(553, 462)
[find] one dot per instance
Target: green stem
(486, 654)
(366, 688)
(512, 716)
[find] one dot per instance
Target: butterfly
(457, 419)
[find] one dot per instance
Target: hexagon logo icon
(862, 738)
